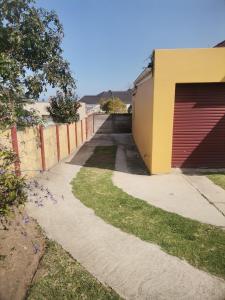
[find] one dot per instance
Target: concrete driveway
(191, 196)
(135, 269)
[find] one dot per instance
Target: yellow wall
(50, 145)
(84, 129)
(79, 139)
(171, 67)
(142, 119)
(63, 141)
(72, 137)
(29, 151)
(29, 145)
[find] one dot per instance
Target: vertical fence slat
(86, 127)
(93, 124)
(82, 138)
(68, 136)
(43, 162)
(15, 148)
(57, 142)
(76, 134)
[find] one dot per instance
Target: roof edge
(221, 44)
(143, 75)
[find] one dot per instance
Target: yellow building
(179, 110)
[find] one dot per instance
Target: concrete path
(191, 196)
(213, 193)
(133, 268)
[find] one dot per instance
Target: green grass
(60, 277)
(218, 179)
(201, 245)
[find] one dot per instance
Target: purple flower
(36, 248)
(26, 219)
(2, 171)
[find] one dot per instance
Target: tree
(30, 57)
(63, 108)
(112, 105)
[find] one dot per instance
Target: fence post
(86, 127)
(42, 148)
(76, 134)
(93, 124)
(81, 131)
(68, 136)
(57, 141)
(15, 148)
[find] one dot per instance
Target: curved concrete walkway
(133, 268)
(194, 197)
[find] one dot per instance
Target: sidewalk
(191, 196)
(133, 268)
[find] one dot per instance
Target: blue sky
(107, 42)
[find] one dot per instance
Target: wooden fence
(40, 148)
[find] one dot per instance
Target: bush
(12, 187)
(63, 108)
(113, 105)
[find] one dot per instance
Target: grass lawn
(201, 245)
(218, 179)
(61, 277)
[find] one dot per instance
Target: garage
(199, 126)
(179, 110)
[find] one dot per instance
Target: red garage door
(199, 126)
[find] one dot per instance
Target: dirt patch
(22, 245)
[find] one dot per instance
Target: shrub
(63, 108)
(12, 187)
(113, 105)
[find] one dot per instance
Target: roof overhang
(143, 76)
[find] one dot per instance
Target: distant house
(42, 111)
(92, 102)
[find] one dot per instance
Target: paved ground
(213, 193)
(192, 196)
(134, 268)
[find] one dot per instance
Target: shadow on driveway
(134, 162)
